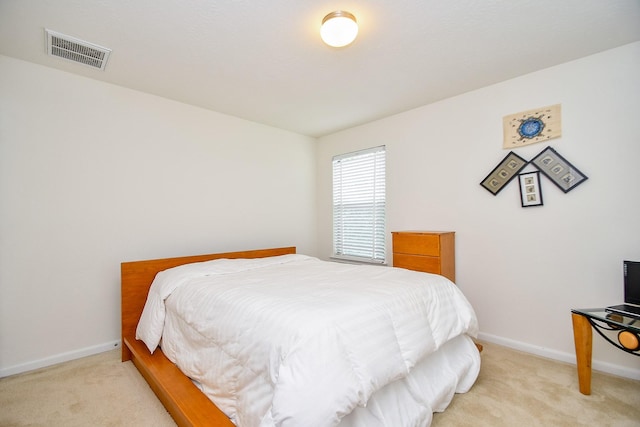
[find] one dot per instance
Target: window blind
(359, 205)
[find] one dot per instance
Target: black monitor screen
(632, 282)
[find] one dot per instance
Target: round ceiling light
(339, 28)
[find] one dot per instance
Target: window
(359, 205)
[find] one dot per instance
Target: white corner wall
(93, 174)
(523, 269)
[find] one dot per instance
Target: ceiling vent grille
(76, 50)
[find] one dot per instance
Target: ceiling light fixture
(339, 28)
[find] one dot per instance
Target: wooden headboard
(137, 276)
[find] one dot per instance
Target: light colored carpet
(513, 389)
(520, 389)
(98, 390)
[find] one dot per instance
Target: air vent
(76, 50)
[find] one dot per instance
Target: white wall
(523, 269)
(93, 174)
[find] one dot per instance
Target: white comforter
(295, 341)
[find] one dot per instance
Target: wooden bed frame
(185, 402)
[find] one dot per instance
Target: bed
(359, 388)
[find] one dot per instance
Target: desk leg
(582, 337)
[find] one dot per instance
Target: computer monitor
(632, 282)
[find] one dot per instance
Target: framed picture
(530, 190)
(558, 169)
(506, 170)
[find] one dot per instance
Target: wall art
(530, 190)
(506, 170)
(558, 169)
(529, 127)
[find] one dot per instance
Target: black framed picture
(530, 190)
(502, 174)
(558, 169)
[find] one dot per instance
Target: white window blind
(359, 205)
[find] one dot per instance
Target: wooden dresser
(428, 251)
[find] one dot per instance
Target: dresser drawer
(416, 244)
(427, 264)
(427, 251)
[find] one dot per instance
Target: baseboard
(59, 358)
(609, 368)
(570, 358)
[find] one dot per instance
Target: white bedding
(295, 341)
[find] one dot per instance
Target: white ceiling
(264, 61)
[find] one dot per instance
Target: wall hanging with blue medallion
(529, 127)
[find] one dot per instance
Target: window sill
(352, 260)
